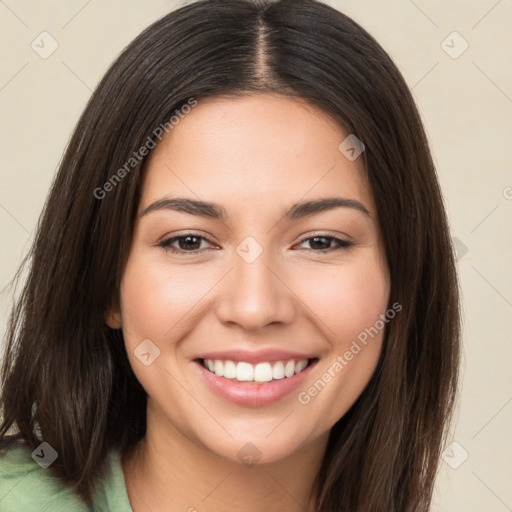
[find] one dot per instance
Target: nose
(255, 295)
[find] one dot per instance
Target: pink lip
(261, 356)
(253, 394)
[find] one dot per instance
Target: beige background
(466, 104)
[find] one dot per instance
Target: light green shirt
(25, 486)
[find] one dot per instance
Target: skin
(255, 156)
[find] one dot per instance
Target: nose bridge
(254, 297)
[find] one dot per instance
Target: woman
(242, 293)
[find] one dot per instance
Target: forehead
(252, 152)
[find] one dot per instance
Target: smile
(253, 385)
(243, 371)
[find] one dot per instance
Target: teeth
(261, 372)
(244, 371)
(219, 368)
(300, 366)
(289, 369)
(278, 370)
(229, 370)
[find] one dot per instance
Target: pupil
(185, 242)
(325, 242)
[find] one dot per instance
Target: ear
(113, 316)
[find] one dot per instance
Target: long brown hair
(383, 454)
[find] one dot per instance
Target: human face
(255, 284)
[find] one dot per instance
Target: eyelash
(341, 244)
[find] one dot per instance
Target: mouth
(253, 385)
(267, 371)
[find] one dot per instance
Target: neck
(168, 470)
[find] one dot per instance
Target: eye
(186, 243)
(323, 243)
(191, 243)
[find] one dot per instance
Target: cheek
(346, 299)
(343, 300)
(350, 303)
(156, 301)
(158, 305)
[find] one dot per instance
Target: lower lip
(253, 394)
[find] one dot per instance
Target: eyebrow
(215, 211)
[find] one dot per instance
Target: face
(244, 314)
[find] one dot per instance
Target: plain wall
(466, 104)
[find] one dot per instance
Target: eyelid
(326, 234)
(167, 240)
(340, 243)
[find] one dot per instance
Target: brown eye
(322, 243)
(188, 243)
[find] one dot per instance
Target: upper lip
(254, 357)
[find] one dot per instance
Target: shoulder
(26, 485)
